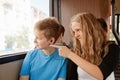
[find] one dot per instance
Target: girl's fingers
(55, 46)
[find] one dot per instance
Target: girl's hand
(63, 50)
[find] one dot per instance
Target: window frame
(53, 11)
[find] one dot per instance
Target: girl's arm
(24, 78)
(88, 67)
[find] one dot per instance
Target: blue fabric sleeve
(63, 71)
(25, 69)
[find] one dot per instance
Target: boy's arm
(25, 68)
(61, 79)
(25, 78)
(62, 74)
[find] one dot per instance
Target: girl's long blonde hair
(94, 38)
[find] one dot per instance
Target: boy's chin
(43, 48)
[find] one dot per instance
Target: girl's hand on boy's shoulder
(63, 50)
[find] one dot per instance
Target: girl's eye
(73, 32)
(78, 30)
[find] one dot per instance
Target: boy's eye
(39, 38)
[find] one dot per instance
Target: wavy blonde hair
(94, 38)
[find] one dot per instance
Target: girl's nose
(76, 34)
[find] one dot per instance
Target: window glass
(112, 37)
(17, 18)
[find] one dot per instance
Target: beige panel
(10, 71)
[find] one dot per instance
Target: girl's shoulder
(113, 47)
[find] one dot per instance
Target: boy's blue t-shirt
(39, 66)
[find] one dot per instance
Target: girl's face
(77, 31)
(40, 40)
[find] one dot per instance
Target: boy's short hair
(62, 29)
(49, 26)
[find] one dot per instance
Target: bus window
(117, 25)
(17, 18)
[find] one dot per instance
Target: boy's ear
(52, 40)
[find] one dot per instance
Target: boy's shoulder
(57, 56)
(33, 52)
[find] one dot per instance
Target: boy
(44, 62)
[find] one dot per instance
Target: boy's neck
(48, 51)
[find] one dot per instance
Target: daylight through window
(17, 18)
